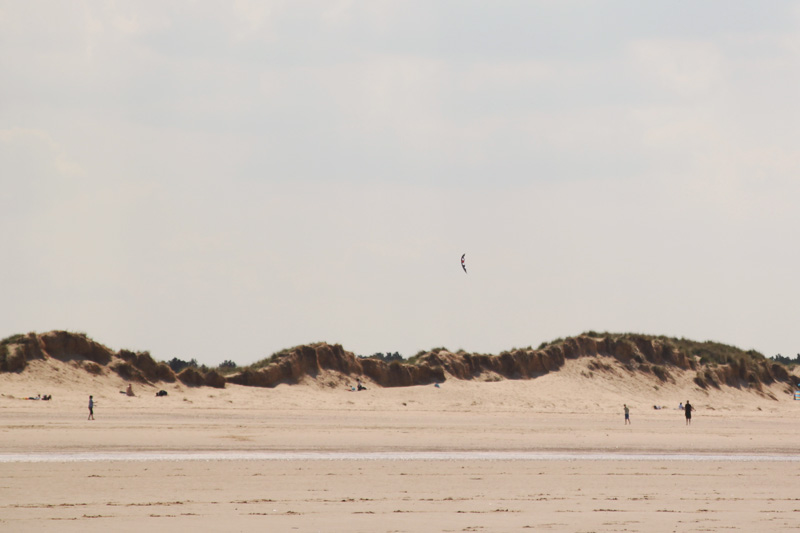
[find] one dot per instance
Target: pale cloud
(252, 18)
(501, 76)
(686, 68)
(32, 156)
(276, 173)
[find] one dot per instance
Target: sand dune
(577, 409)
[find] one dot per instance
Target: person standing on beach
(627, 414)
(91, 408)
(688, 409)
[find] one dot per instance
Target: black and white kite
(463, 264)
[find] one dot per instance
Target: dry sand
(564, 412)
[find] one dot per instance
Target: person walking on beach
(627, 414)
(688, 409)
(91, 408)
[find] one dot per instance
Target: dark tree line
(388, 357)
(179, 364)
(786, 360)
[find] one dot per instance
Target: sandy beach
(547, 454)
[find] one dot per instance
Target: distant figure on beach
(361, 385)
(680, 406)
(91, 408)
(129, 390)
(627, 414)
(688, 409)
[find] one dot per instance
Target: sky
(222, 180)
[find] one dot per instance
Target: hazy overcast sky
(221, 180)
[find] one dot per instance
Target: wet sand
(395, 496)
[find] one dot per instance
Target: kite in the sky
(463, 264)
